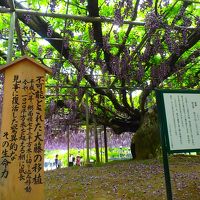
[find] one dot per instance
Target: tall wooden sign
(22, 131)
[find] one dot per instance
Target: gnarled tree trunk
(146, 141)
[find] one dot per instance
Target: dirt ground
(121, 180)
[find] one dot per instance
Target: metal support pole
(66, 16)
(167, 175)
(81, 18)
(11, 37)
(164, 148)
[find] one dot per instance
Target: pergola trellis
(91, 19)
(14, 25)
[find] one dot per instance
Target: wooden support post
(96, 142)
(87, 131)
(101, 145)
(68, 143)
(105, 144)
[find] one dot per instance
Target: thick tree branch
(19, 37)
(94, 12)
(40, 26)
(129, 28)
(124, 98)
(107, 93)
(3, 55)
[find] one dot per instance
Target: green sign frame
(163, 118)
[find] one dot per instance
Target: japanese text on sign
(183, 120)
(23, 142)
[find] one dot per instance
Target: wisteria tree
(115, 53)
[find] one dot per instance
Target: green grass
(113, 153)
(134, 180)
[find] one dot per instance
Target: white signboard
(183, 120)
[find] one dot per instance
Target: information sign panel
(180, 113)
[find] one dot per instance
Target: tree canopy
(115, 53)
